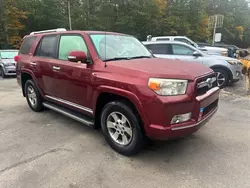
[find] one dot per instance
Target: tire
(131, 129)
(221, 73)
(33, 96)
(2, 75)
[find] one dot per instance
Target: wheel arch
(223, 68)
(107, 94)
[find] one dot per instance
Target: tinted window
(159, 48)
(71, 43)
(47, 47)
(182, 50)
(27, 44)
(163, 39)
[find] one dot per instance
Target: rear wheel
(33, 96)
(121, 128)
(222, 77)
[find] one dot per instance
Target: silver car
(7, 63)
(227, 69)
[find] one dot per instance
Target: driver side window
(182, 50)
(70, 43)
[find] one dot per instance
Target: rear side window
(47, 47)
(70, 43)
(27, 44)
(159, 48)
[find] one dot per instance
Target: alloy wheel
(32, 96)
(119, 128)
(221, 79)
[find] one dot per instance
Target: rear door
(160, 50)
(42, 61)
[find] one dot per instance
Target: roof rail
(48, 31)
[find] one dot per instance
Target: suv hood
(161, 68)
(5, 61)
(214, 49)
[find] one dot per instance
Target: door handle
(33, 64)
(56, 68)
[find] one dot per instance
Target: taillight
(16, 58)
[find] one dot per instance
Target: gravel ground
(49, 150)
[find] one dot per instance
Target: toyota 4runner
(111, 80)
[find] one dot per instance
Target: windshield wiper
(126, 58)
(116, 59)
(140, 57)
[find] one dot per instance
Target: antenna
(105, 65)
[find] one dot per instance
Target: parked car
(7, 63)
(206, 49)
(227, 69)
(112, 80)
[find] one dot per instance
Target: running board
(69, 113)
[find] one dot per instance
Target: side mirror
(196, 54)
(75, 56)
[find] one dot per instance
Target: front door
(184, 53)
(73, 78)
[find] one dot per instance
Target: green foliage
(136, 17)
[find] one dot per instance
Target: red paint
(83, 83)
(76, 56)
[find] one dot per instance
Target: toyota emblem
(209, 82)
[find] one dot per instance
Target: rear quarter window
(27, 44)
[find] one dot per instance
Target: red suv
(111, 80)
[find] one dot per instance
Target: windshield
(8, 54)
(117, 47)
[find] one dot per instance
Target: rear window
(27, 44)
(47, 47)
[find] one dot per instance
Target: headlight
(224, 54)
(168, 87)
(232, 62)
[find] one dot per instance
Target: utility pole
(88, 23)
(215, 26)
(70, 25)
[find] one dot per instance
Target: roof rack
(48, 31)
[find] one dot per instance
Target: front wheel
(222, 77)
(2, 75)
(121, 128)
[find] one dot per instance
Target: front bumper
(10, 71)
(236, 71)
(202, 107)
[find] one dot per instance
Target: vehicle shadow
(159, 151)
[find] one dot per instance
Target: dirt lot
(49, 150)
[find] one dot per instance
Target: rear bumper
(202, 108)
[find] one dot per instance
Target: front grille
(204, 84)
(210, 107)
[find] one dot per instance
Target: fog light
(181, 118)
(237, 74)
